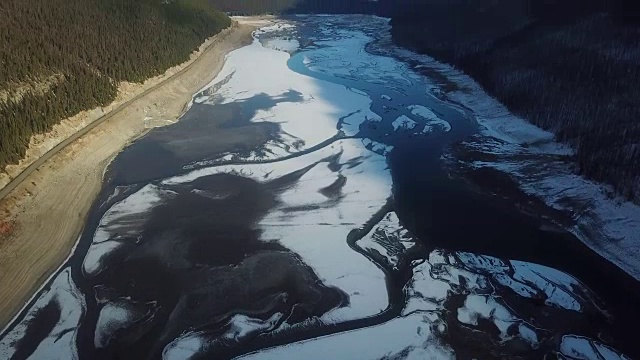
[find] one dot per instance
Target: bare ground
(43, 216)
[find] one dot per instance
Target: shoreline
(48, 207)
(541, 167)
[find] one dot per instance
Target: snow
(403, 122)
(388, 239)
(489, 308)
(409, 337)
(286, 45)
(417, 333)
(346, 57)
(377, 147)
(483, 281)
(241, 327)
(608, 225)
(122, 223)
(277, 26)
(119, 190)
(318, 233)
(433, 120)
(307, 109)
(184, 347)
(530, 280)
(123, 218)
(117, 315)
(559, 288)
(96, 256)
(60, 343)
(581, 348)
(112, 317)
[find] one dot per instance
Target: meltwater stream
(299, 209)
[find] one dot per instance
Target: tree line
(259, 7)
(569, 66)
(90, 45)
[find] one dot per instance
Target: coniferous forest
(59, 57)
(569, 66)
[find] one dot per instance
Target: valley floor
(538, 165)
(41, 218)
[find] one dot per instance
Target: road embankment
(44, 206)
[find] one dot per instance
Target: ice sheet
(315, 223)
(60, 341)
(308, 119)
(411, 337)
(122, 223)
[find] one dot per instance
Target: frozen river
(301, 209)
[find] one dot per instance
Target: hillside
(257, 7)
(569, 66)
(60, 57)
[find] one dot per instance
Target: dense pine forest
(258, 7)
(569, 66)
(59, 57)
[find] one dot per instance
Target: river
(304, 207)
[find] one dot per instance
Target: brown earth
(44, 214)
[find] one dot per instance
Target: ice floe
(491, 309)
(62, 301)
(608, 225)
(485, 283)
(389, 240)
(308, 110)
(122, 223)
(414, 336)
(432, 120)
(276, 26)
(240, 328)
(345, 56)
(117, 316)
(533, 281)
(377, 147)
(581, 348)
(403, 122)
(342, 187)
(280, 44)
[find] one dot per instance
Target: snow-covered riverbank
(607, 224)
